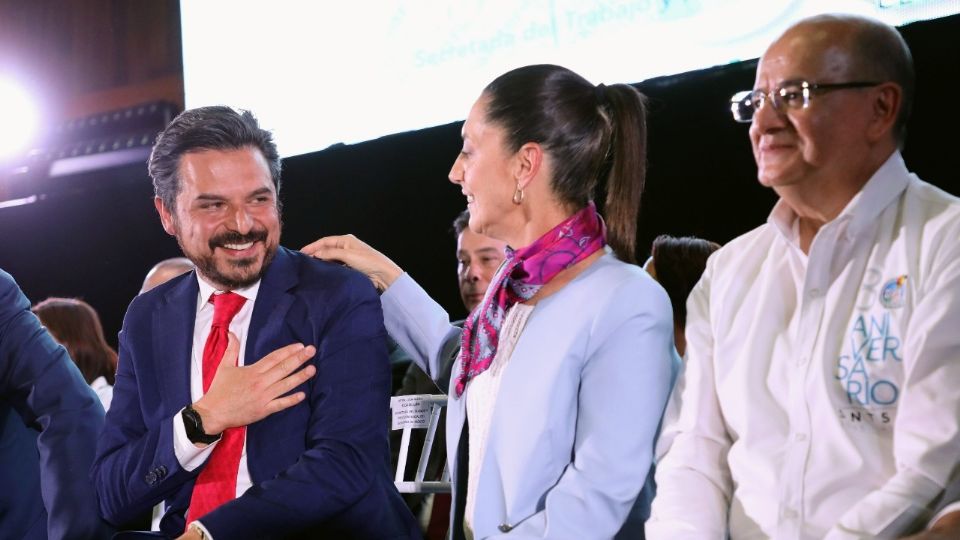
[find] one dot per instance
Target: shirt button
(789, 513)
(800, 437)
(814, 293)
(505, 527)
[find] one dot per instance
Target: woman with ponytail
(566, 364)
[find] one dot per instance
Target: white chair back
(418, 412)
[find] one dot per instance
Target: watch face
(191, 419)
(193, 425)
(188, 420)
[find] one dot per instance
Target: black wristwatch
(194, 426)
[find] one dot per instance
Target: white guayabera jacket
(821, 395)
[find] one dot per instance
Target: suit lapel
(173, 322)
(273, 301)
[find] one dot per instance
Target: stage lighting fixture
(19, 114)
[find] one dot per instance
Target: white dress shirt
(188, 454)
(821, 395)
(104, 391)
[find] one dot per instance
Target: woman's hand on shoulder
(355, 253)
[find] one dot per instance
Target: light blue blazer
(571, 440)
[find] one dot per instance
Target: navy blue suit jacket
(319, 469)
(49, 421)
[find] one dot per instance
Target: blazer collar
(273, 301)
(173, 322)
(175, 315)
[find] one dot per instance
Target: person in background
(821, 396)
(49, 422)
(677, 264)
(556, 396)
(76, 325)
(164, 271)
(478, 258)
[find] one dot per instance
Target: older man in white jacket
(821, 395)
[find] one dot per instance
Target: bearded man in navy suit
(252, 394)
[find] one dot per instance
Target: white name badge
(410, 411)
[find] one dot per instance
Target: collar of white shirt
(207, 290)
(883, 187)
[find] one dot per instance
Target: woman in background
(677, 264)
(565, 366)
(76, 326)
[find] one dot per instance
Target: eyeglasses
(789, 95)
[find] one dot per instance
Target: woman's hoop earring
(518, 195)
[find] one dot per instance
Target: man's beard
(207, 265)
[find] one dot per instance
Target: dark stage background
(95, 235)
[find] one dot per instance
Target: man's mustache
(233, 237)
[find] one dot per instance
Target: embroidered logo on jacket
(893, 292)
(869, 370)
(872, 344)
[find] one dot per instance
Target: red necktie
(217, 482)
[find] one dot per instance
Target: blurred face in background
(164, 271)
(478, 258)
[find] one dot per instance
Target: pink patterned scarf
(519, 278)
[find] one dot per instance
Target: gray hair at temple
(881, 54)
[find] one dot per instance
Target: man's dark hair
(461, 222)
(206, 128)
(679, 263)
